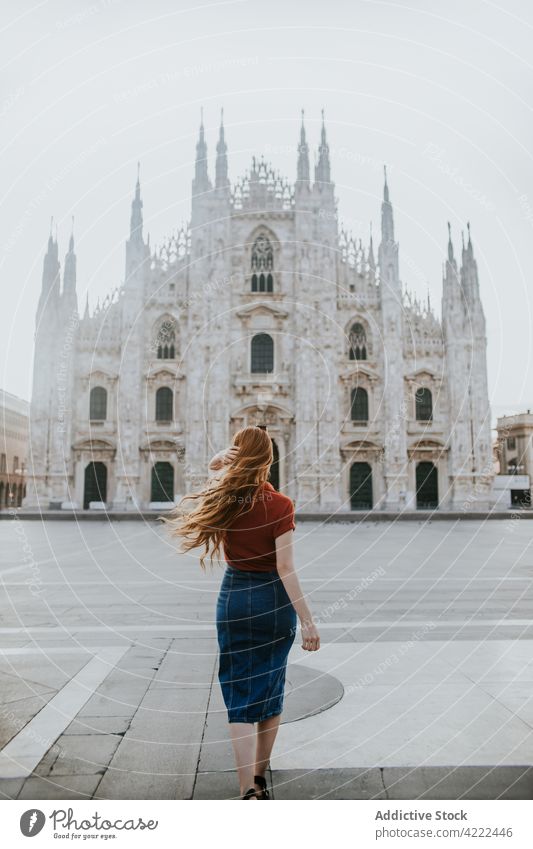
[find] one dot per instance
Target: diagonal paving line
(200, 747)
(22, 754)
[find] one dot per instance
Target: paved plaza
(422, 688)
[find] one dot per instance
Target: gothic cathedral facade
(262, 311)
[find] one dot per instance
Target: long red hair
(224, 497)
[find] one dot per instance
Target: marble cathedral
(261, 310)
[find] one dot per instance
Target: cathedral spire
(450, 245)
(451, 265)
(387, 220)
(371, 260)
(322, 169)
(303, 156)
(136, 220)
(469, 248)
(201, 179)
(50, 277)
(221, 177)
(469, 274)
(452, 299)
(69, 274)
(51, 266)
(136, 250)
(388, 259)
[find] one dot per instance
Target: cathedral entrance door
(427, 486)
(162, 488)
(95, 485)
(361, 486)
(274, 469)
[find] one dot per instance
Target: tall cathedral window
(164, 404)
(262, 265)
(424, 404)
(166, 340)
(359, 405)
(98, 404)
(358, 345)
(262, 353)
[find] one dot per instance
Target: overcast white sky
(441, 91)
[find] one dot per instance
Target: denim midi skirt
(256, 627)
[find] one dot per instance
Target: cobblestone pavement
(422, 689)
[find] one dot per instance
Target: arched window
(262, 265)
(98, 404)
(361, 487)
(95, 485)
(162, 482)
(166, 340)
(424, 404)
(262, 353)
(358, 346)
(359, 405)
(427, 486)
(164, 404)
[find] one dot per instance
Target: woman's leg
(266, 736)
(243, 739)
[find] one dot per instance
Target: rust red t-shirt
(250, 543)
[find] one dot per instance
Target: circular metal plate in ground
(308, 691)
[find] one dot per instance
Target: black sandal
(264, 794)
(251, 793)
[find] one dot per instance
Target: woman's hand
(224, 458)
(310, 635)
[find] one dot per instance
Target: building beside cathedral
(262, 311)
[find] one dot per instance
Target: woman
(260, 597)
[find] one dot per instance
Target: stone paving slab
(80, 755)
(125, 686)
(10, 787)
(14, 688)
(328, 784)
(158, 756)
(401, 783)
(101, 706)
(464, 782)
(60, 787)
(16, 714)
(96, 725)
(185, 666)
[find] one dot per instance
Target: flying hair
(225, 497)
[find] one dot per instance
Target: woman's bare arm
(287, 573)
